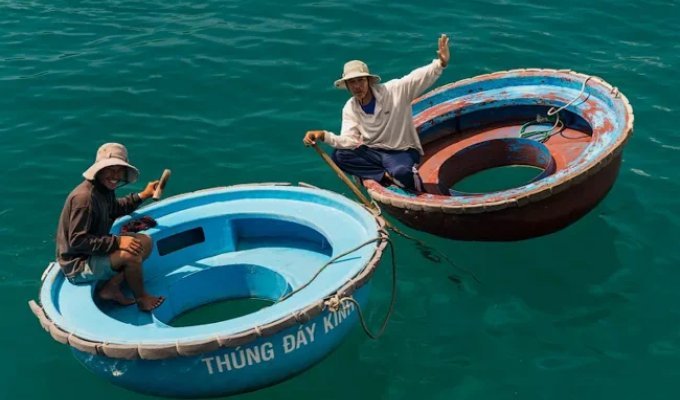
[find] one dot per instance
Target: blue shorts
(96, 268)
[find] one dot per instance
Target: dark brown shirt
(85, 222)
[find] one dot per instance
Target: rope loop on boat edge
(334, 303)
(553, 115)
(552, 111)
(375, 210)
(382, 237)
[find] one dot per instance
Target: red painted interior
(564, 147)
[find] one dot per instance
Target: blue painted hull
(229, 371)
(296, 247)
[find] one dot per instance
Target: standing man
(378, 139)
(86, 251)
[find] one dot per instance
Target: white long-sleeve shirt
(390, 127)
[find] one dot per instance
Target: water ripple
(222, 91)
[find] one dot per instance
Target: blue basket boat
(268, 241)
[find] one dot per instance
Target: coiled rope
(553, 115)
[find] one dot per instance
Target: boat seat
(296, 266)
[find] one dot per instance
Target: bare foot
(113, 293)
(386, 180)
(148, 303)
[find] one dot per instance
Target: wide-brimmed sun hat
(108, 155)
(355, 69)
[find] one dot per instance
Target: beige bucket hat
(355, 69)
(110, 154)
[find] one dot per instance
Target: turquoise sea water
(221, 92)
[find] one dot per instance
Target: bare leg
(135, 279)
(111, 291)
(132, 272)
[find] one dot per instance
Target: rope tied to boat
(553, 115)
(375, 209)
(334, 302)
(425, 250)
(382, 237)
(543, 134)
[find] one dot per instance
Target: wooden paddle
(424, 249)
(161, 185)
(345, 179)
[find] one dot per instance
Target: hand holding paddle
(161, 185)
(424, 249)
(311, 137)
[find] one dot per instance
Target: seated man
(378, 139)
(86, 251)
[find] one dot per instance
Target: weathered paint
(578, 156)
